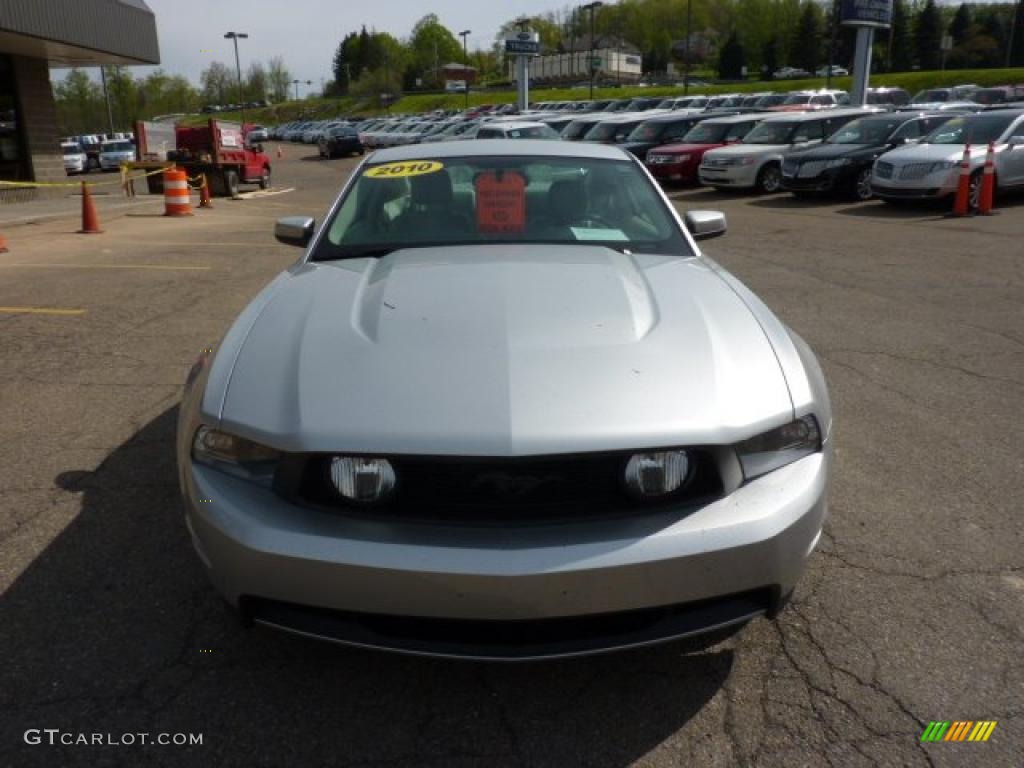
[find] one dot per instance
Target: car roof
(499, 147)
(514, 124)
(820, 115)
(729, 119)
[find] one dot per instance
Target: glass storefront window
(12, 153)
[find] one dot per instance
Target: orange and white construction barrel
(176, 193)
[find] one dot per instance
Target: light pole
(296, 84)
(233, 36)
(592, 7)
(686, 48)
(465, 61)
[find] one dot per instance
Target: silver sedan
(503, 407)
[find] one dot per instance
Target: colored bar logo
(958, 730)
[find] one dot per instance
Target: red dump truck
(217, 149)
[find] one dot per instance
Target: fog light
(649, 475)
(362, 479)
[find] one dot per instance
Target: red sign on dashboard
(501, 202)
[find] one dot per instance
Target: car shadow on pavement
(114, 629)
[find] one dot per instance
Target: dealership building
(36, 35)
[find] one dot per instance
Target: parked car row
(862, 152)
(96, 151)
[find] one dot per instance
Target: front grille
(883, 170)
(812, 168)
(915, 171)
(473, 489)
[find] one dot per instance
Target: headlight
(362, 479)
(777, 448)
(658, 473)
(839, 162)
(744, 160)
(234, 455)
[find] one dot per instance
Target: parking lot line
(40, 311)
(105, 266)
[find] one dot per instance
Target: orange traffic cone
(3, 244)
(204, 195)
(961, 206)
(988, 182)
(90, 221)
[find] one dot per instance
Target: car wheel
(265, 179)
(974, 191)
(862, 185)
(769, 180)
(231, 183)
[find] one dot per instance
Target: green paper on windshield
(589, 233)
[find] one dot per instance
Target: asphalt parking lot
(912, 609)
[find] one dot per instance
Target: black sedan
(843, 161)
(341, 140)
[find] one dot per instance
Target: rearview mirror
(295, 230)
(704, 225)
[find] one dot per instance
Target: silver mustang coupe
(504, 408)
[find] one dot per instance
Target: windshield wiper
(366, 252)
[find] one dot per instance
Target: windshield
(577, 128)
(649, 131)
(972, 129)
(923, 97)
(798, 98)
(772, 100)
(488, 199)
(990, 96)
(71, 149)
(771, 133)
(117, 146)
(618, 106)
(706, 133)
(603, 131)
(865, 131)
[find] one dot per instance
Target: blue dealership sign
(866, 13)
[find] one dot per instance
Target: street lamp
(592, 7)
(296, 84)
(686, 49)
(465, 62)
(234, 36)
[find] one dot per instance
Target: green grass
(424, 102)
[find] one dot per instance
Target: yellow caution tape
(122, 180)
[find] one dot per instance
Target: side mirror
(704, 225)
(295, 230)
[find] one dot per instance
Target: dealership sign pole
(523, 46)
(867, 16)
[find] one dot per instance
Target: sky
(307, 32)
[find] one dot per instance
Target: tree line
(82, 109)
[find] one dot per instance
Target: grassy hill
(423, 102)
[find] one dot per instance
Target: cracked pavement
(911, 609)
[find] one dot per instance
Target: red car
(678, 163)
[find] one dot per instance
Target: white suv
(756, 162)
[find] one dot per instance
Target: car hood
(679, 149)
(504, 350)
(929, 152)
(830, 151)
(748, 150)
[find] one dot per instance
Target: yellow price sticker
(403, 170)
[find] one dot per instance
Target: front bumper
(826, 181)
(693, 570)
(732, 176)
(928, 188)
(674, 172)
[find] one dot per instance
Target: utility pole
(686, 47)
(1018, 9)
(464, 34)
(106, 96)
(592, 7)
(233, 36)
